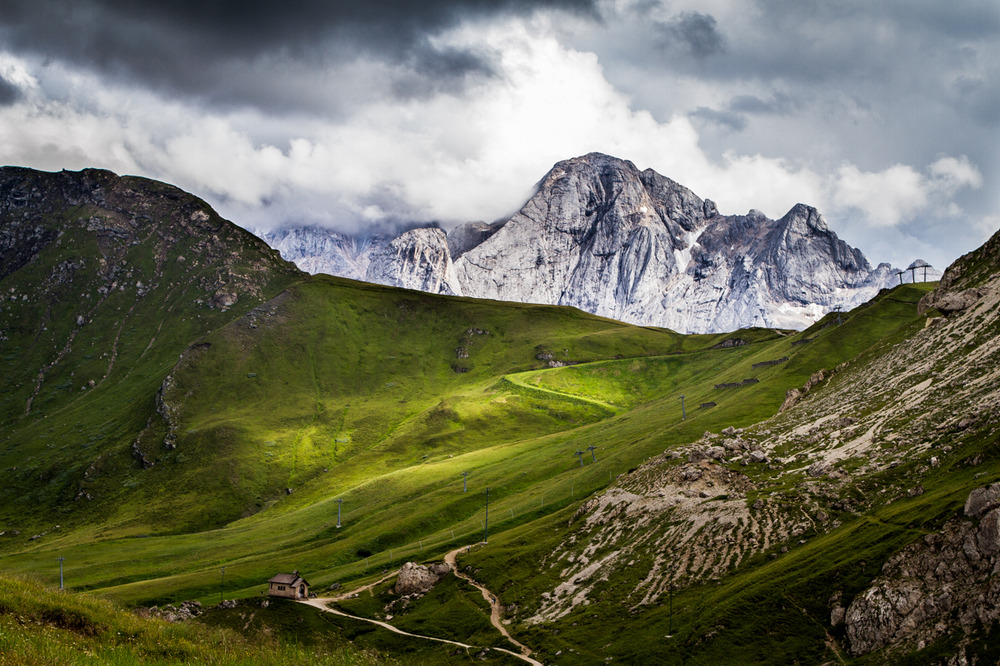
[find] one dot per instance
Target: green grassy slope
(775, 608)
(43, 626)
(305, 398)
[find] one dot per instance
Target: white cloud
(897, 194)
(951, 174)
(885, 197)
(451, 157)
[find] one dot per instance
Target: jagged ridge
(600, 235)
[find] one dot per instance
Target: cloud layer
(351, 114)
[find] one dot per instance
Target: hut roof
(288, 579)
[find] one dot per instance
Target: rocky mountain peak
(603, 236)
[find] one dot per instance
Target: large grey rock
(944, 578)
(981, 499)
(988, 534)
(950, 302)
(715, 452)
(418, 579)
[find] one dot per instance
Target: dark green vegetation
(234, 400)
(40, 626)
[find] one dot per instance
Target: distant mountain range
(605, 237)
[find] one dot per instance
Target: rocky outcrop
(186, 610)
(949, 302)
(944, 580)
(966, 281)
(793, 395)
(418, 259)
(605, 237)
(419, 579)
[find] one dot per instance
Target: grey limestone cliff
(601, 235)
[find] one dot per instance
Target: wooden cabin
(289, 586)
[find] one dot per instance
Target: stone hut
(290, 586)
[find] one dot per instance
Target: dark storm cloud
(429, 70)
(693, 32)
(9, 93)
(732, 120)
(778, 104)
(734, 114)
(191, 46)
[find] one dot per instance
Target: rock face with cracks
(605, 237)
(949, 575)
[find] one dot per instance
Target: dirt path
(322, 605)
(495, 612)
(495, 609)
(515, 379)
(358, 590)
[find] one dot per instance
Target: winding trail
(495, 609)
(516, 379)
(495, 612)
(322, 605)
(358, 590)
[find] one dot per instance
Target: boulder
(696, 455)
(988, 534)
(691, 474)
(416, 578)
(715, 452)
(818, 468)
(951, 302)
(981, 499)
(792, 396)
(734, 444)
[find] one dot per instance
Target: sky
(355, 115)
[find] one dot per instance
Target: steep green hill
(104, 281)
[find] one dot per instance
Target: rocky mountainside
(632, 245)
(904, 437)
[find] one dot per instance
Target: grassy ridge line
(93, 323)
